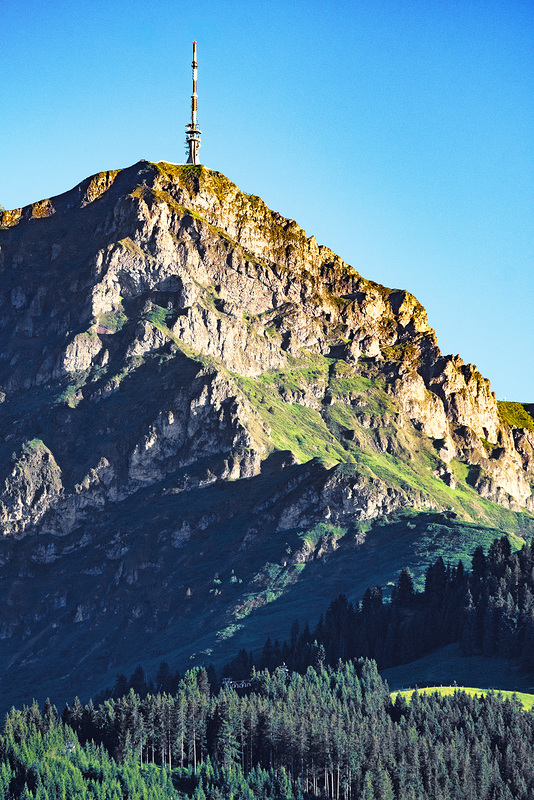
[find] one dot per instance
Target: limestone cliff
(158, 260)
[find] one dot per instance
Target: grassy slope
(518, 415)
(527, 700)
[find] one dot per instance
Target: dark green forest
(489, 610)
(331, 733)
(324, 726)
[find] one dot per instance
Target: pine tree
(163, 678)
(367, 792)
(403, 592)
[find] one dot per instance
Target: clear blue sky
(399, 132)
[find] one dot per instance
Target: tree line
(488, 609)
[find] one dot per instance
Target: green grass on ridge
(527, 700)
(517, 415)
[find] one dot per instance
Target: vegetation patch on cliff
(292, 425)
(517, 415)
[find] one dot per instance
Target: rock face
(163, 332)
(32, 486)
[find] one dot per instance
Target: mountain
(211, 424)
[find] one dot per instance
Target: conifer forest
(330, 729)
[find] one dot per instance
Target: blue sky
(400, 133)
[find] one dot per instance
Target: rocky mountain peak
(164, 334)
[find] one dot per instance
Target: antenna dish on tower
(192, 137)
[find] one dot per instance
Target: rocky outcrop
(32, 485)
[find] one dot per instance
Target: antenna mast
(192, 137)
